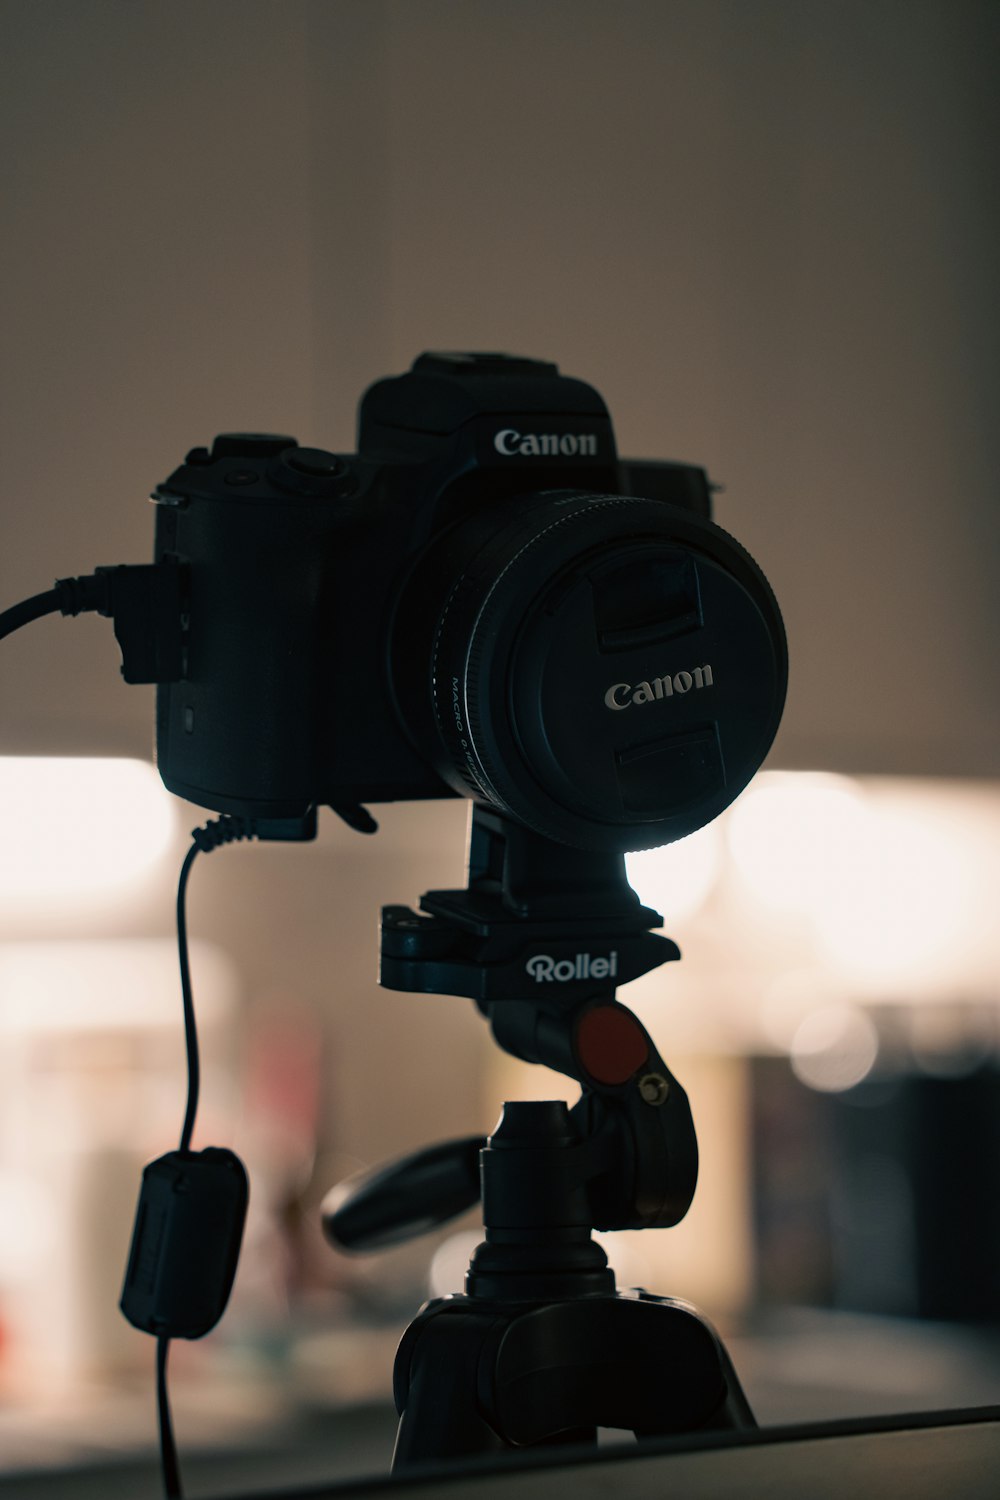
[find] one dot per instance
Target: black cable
(223, 830)
(70, 596)
(146, 601)
(30, 609)
(190, 1029)
(168, 1448)
(169, 1463)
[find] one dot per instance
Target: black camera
(483, 601)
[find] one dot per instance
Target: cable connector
(230, 828)
(91, 592)
(146, 603)
(225, 830)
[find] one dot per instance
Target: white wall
(156, 286)
(766, 229)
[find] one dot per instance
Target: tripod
(542, 1348)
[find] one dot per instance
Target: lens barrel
(609, 670)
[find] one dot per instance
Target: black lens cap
(610, 670)
(643, 685)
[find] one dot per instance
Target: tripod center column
(535, 1209)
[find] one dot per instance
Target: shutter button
(315, 462)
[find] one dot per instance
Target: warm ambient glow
(78, 830)
(816, 889)
(676, 880)
(117, 985)
(900, 914)
(794, 837)
(883, 872)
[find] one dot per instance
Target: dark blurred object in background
(878, 1199)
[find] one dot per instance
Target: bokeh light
(834, 1048)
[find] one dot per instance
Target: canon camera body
(484, 601)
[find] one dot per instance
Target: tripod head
(542, 1347)
(539, 939)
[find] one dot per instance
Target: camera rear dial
(609, 670)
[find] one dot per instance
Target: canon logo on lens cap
(623, 694)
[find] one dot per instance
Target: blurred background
(767, 231)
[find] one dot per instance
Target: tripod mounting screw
(653, 1089)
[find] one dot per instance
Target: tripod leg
(711, 1365)
(643, 1364)
(735, 1411)
(436, 1384)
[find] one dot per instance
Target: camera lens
(609, 670)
